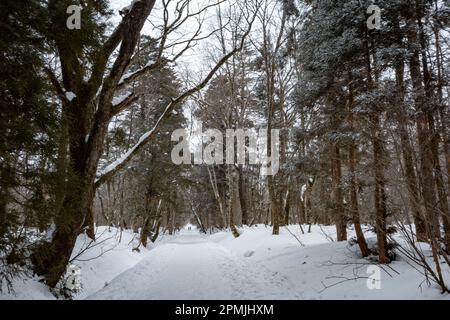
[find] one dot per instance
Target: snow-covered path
(191, 267)
(256, 265)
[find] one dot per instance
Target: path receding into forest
(191, 267)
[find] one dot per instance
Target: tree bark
(353, 186)
(408, 162)
(406, 146)
(379, 191)
(424, 136)
(232, 195)
(336, 174)
(242, 199)
(378, 163)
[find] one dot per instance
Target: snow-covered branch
(122, 102)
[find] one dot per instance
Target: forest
(234, 139)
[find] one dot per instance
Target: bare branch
(120, 163)
(166, 29)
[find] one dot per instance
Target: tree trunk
(274, 208)
(440, 185)
(424, 135)
(440, 181)
(379, 191)
(353, 184)
(51, 259)
(354, 205)
(287, 208)
(406, 147)
(378, 164)
(145, 231)
(407, 155)
(242, 199)
(156, 230)
(232, 196)
(336, 174)
(4, 197)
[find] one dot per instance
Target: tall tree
(93, 68)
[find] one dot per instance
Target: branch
(167, 28)
(99, 66)
(124, 103)
(110, 170)
(55, 83)
(129, 78)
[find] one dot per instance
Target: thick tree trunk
(51, 259)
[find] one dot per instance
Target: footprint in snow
(248, 254)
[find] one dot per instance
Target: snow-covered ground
(100, 262)
(256, 265)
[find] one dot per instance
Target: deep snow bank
(100, 262)
(318, 267)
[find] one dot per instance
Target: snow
(106, 258)
(316, 270)
(128, 75)
(118, 100)
(70, 95)
(100, 262)
(129, 7)
(257, 265)
(28, 289)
